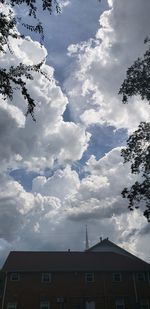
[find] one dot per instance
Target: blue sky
(65, 170)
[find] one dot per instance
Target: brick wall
(72, 286)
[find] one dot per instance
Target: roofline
(125, 251)
(81, 252)
(29, 251)
(75, 270)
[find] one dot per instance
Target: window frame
(116, 274)
(119, 303)
(87, 276)
(76, 306)
(42, 306)
(142, 301)
(143, 276)
(10, 305)
(13, 274)
(49, 277)
(60, 300)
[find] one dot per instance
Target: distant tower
(87, 240)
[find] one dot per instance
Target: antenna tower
(86, 240)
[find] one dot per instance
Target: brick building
(102, 277)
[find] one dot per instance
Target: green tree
(137, 151)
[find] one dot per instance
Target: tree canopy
(32, 5)
(16, 76)
(137, 152)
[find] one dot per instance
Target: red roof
(72, 261)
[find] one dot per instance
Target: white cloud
(50, 138)
(14, 204)
(54, 214)
(35, 146)
(62, 184)
(100, 66)
(99, 194)
(64, 3)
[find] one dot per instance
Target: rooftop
(114, 259)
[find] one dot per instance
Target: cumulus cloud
(50, 138)
(100, 65)
(62, 184)
(73, 25)
(96, 200)
(35, 147)
(14, 203)
(24, 216)
(30, 219)
(53, 215)
(99, 194)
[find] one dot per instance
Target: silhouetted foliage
(137, 151)
(7, 29)
(13, 78)
(32, 5)
(137, 81)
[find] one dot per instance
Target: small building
(104, 276)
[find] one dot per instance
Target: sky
(64, 171)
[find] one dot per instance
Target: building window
(141, 276)
(14, 276)
(89, 277)
(76, 306)
(120, 304)
(144, 304)
(90, 305)
(46, 277)
(44, 304)
(117, 277)
(60, 300)
(11, 305)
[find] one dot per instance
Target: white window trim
(92, 276)
(117, 273)
(76, 306)
(49, 276)
(60, 300)
(119, 302)
(12, 305)
(144, 276)
(18, 276)
(46, 303)
(144, 302)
